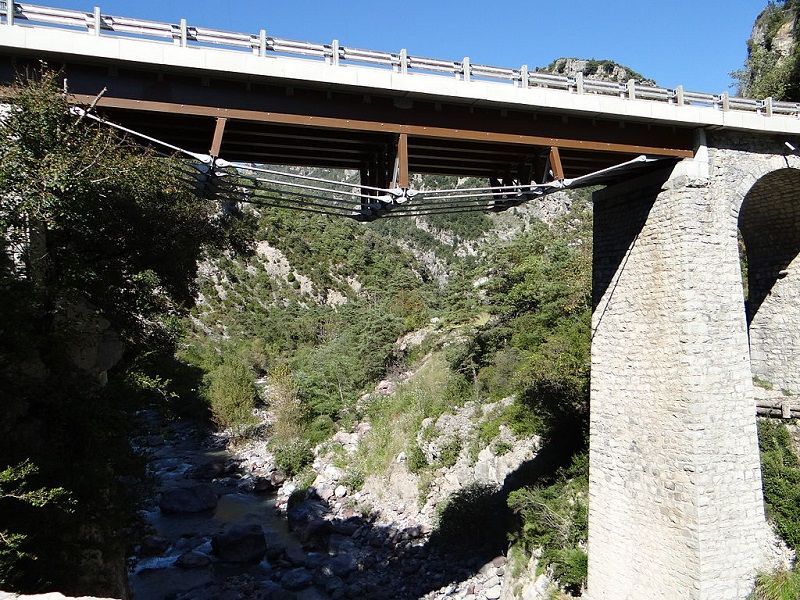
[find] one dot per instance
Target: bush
(570, 568)
(416, 458)
(230, 391)
(780, 585)
(448, 456)
(780, 471)
(292, 456)
(554, 519)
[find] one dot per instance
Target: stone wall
(676, 509)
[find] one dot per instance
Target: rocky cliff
(772, 68)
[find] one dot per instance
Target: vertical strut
(402, 161)
(555, 163)
(219, 131)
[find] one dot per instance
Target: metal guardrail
(184, 35)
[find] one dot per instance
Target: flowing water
(181, 457)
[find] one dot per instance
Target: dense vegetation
(780, 470)
(99, 258)
(524, 333)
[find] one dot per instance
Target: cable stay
(231, 182)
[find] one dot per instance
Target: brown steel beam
(555, 163)
(219, 131)
(377, 127)
(402, 161)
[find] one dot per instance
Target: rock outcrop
(607, 70)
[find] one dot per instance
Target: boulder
(296, 579)
(296, 556)
(315, 532)
(347, 526)
(193, 560)
(302, 513)
(263, 485)
(269, 590)
(342, 565)
(240, 543)
(153, 545)
(210, 470)
(277, 478)
(190, 499)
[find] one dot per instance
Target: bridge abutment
(675, 507)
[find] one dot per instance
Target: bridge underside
(385, 137)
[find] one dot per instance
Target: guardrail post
(404, 61)
(768, 106)
(9, 12)
(262, 42)
(631, 89)
(726, 101)
(523, 76)
(679, 95)
(335, 53)
(184, 32)
(96, 20)
(579, 82)
(466, 69)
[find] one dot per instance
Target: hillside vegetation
(772, 68)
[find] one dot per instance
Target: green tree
(91, 225)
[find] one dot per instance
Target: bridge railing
(261, 44)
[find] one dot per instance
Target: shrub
(570, 568)
(292, 456)
(780, 470)
(554, 519)
(501, 447)
(230, 391)
(780, 585)
(354, 478)
(285, 405)
(448, 455)
(416, 458)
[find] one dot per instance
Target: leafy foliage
(230, 391)
(15, 489)
(96, 227)
(781, 585)
(780, 471)
(554, 519)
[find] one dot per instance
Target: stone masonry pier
(676, 507)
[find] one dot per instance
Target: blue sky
(694, 43)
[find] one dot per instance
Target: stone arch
(769, 223)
